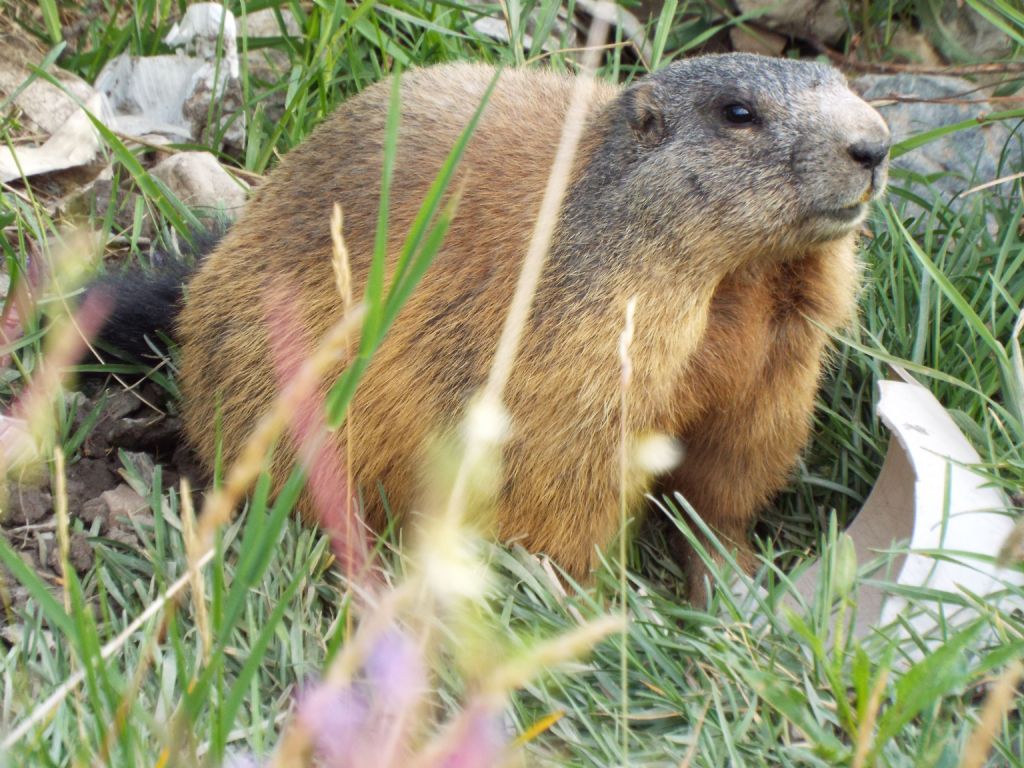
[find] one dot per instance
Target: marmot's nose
(870, 154)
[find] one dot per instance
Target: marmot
(723, 192)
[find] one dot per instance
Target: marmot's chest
(758, 328)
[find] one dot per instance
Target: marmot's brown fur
(723, 192)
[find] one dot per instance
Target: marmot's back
(722, 193)
(438, 353)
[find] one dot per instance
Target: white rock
(265, 24)
(199, 181)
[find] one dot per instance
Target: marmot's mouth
(849, 213)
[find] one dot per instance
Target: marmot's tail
(143, 303)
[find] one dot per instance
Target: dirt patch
(130, 433)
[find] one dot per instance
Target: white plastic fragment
(956, 509)
(76, 143)
(173, 95)
(929, 497)
(147, 94)
(497, 29)
(165, 96)
(203, 27)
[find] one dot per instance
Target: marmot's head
(776, 153)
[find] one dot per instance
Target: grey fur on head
(759, 154)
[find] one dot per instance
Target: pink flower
(321, 452)
(477, 739)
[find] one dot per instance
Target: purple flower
(395, 672)
(337, 720)
(240, 760)
(370, 721)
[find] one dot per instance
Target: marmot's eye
(738, 114)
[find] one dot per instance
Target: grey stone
(753, 40)
(141, 464)
(93, 509)
(27, 505)
(87, 479)
(121, 403)
(122, 533)
(956, 161)
(822, 20)
(914, 47)
(44, 107)
(145, 434)
(80, 554)
(962, 34)
(268, 65)
(100, 199)
(124, 502)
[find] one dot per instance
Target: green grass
(745, 682)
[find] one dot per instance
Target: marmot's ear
(644, 113)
